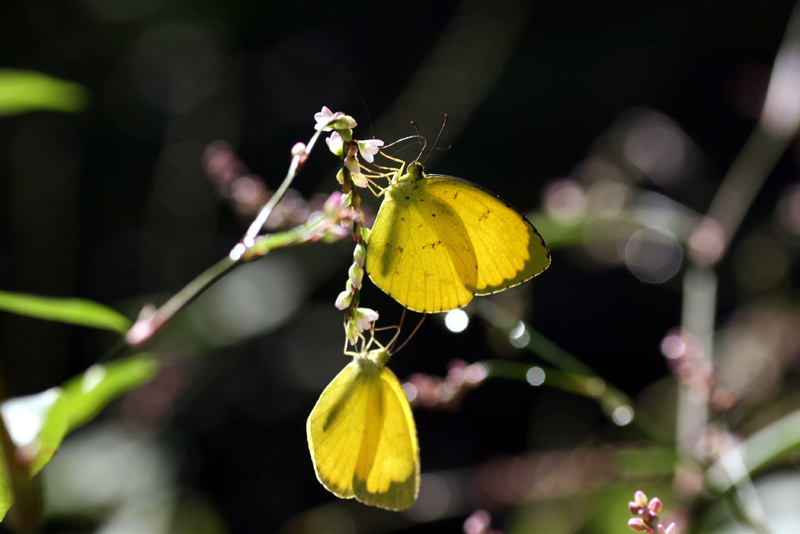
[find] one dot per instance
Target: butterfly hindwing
(363, 440)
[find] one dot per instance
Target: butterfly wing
(419, 253)
(363, 440)
(440, 240)
(387, 474)
(507, 247)
(334, 430)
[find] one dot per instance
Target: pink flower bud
(343, 300)
(637, 524)
(655, 505)
(640, 498)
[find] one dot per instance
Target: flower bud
(343, 300)
(655, 505)
(365, 233)
(359, 255)
(351, 331)
(298, 149)
(356, 275)
(640, 498)
(346, 133)
(637, 524)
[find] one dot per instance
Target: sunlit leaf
(84, 396)
(6, 496)
(40, 422)
(66, 310)
(22, 91)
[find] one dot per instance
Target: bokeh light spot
(535, 376)
(653, 255)
(456, 320)
(622, 415)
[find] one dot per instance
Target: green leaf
(84, 396)
(66, 310)
(22, 91)
(43, 420)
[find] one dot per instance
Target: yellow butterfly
(362, 436)
(438, 241)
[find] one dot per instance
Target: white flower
(369, 148)
(359, 180)
(364, 318)
(335, 143)
(323, 118)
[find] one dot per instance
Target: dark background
(113, 204)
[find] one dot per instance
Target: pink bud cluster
(436, 392)
(646, 513)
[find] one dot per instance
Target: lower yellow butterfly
(438, 241)
(362, 436)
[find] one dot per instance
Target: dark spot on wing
(455, 196)
(484, 216)
(403, 219)
(433, 215)
(400, 249)
(432, 245)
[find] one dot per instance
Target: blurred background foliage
(612, 123)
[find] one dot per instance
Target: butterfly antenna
(421, 320)
(422, 141)
(441, 131)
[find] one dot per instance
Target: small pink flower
(343, 300)
(364, 318)
(335, 143)
(369, 148)
(655, 505)
(323, 118)
(333, 206)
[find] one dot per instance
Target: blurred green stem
(569, 374)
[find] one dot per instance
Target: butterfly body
(438, 241)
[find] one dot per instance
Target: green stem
(151, 322)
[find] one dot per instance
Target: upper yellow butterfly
(439, 240)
